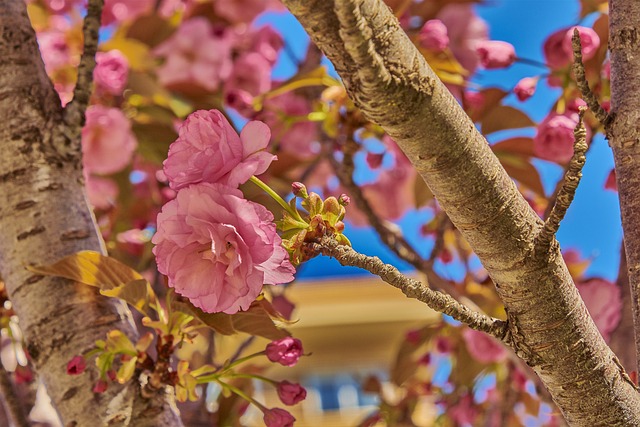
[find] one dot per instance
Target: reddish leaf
(491, 99)
(519, 168)
(505, 117)
(522, 146)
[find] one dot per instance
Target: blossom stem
(275, 196)
(214, 377)
(242, 394)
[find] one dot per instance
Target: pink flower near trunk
(76, 366)
(107, 140)
(208, 149)
(525, 88)
(277, 417)
(285, 351)
(589, 40)
(604, 302)
(433, 35)
(195, 54)
(218, 248)
(610, 183)
(554, 139)
(290, 393)
(111, 72)
(464, 30)
(483, 347)
(495, 54)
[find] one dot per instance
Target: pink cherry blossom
(195, 54)
(251, 75)
(554, 52)
(218, 249)
(76, 366)
(277, 417)
(100, 386)
(61, 6)
(464, 29)
(208, 149)
(125, 10)
(111, 72)
(604, 302)
(54, 49)
(483, 347)
(101, 192)
(433, 35)
(267, 42)
(589, 40)
(290, 393)
(285, 351)
(107, 140)
(286, 115)
(238, 11)
(495, 54)
(525, 88)
(554, 138)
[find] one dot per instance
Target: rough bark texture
(44, 217)
(624, 134)
(549, 326)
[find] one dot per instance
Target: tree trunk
(624, 134)
(549, 326)
(44, 217)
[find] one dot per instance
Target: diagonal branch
(412, 288)
(581, 80)
(75, 110)
(569, 186)
(392, 84)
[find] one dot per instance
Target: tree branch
(412, 288)
(392, 84)
(569, 186)
(11, 403)
(583, 84)
(75, 110)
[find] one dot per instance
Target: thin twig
(11, 401)
(74, 111)
(581, 80)
(412, 288)
(569, 185)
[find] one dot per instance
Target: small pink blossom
(240, 11)
(290, 393)
(100, 386)
(525, 88)
(23, 375)
(102, 192)
(76, 366)
(277, 417)
(107, 140)
(111, 72)
(464, 30)
(474, 99)
(61, 6)
(125, 10)
(208, 149)
(606, 70)
(251, 76)
(464, 412)
(54, 50)
(604, 302)
(483, 347)
(285, 351)
(610, 183)
(495, 54)
(218, 248)
(267, 42)
(433, 35)
(589, 40)
(195, 54)
(554, 138)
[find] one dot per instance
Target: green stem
(275, 196)
(214, 377)
(241, 394)
(254, 377)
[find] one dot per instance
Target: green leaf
(504, 117)
(126, 370)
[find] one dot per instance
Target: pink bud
(413, 336)
(290, 393)
(474, 99)
(277, 417)
(344, 200)
(433, 35)
(76, 366)
(589, 40)
(111, 374)
(495, 54)
(525, 88)
(100, 387)
(285, 351)
(299, 190)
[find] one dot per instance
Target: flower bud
(290, 393)
(299, 190)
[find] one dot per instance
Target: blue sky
(592, 224)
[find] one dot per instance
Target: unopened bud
(299, 190)
(344, 200)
